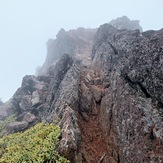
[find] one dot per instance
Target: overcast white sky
(26, 25)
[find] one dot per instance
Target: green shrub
(35, 145)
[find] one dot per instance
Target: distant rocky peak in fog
(125, 23)
(78, 42)
(75, 42)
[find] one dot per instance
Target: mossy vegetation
(35, 145)
(5, 123)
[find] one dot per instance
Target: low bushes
(35, 145)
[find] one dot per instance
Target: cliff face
(77, 43)
(131, 115)
(109, 107)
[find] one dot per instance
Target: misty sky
(26, 25)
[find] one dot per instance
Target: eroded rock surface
(131, 106)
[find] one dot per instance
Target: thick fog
(26, 25)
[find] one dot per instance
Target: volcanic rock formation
(125, 23)
(77, 43)
(104, 87)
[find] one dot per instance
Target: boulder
(17, 126)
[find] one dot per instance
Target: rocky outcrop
(131, 118)
(51, 98)
(110, 108)
(77, 43)
(32, 101)
(125, 23)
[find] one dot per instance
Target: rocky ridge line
(110, 109)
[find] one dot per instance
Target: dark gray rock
(125, 23)
(29, 117)
(129, 111)
(17, 126)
